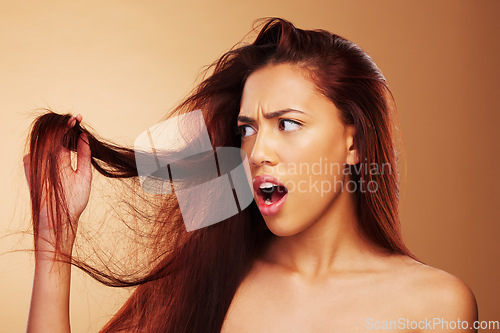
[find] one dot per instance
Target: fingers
(83, 150)
(66, 153)
(72, 121)
(84, 154)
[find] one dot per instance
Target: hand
(76, 185)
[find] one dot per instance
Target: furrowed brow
(279, 113)
(270, 115)
(245, 119)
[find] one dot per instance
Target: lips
(271, 194)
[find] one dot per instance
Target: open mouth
(271, 193)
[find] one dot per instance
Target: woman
(319, 250)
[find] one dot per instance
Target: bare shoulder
(438, 294)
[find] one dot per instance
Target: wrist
(45, 243)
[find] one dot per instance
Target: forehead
(276, 87)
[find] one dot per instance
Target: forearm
(49, 309)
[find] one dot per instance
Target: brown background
(123, 64)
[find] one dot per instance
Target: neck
(332, 244)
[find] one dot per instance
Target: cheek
(315, 174)
(311, 146)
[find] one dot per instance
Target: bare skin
(322, 275)
(275, 299)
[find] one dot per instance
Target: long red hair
(193, 276)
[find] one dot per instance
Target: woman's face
(297, 147)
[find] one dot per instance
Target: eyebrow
(270, 115)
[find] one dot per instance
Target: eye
(289, 125)
(246, 130)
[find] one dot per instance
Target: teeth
(266, 186)
(268, 202)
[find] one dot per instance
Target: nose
(263, 151)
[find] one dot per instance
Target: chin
(280, 227)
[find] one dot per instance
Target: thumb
(83, 155)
